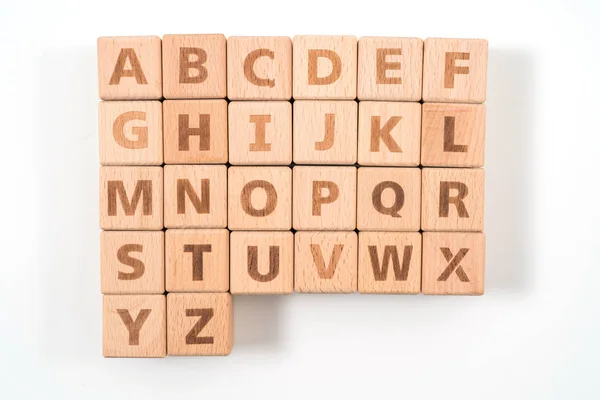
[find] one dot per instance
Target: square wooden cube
(325, 67)
(194, 66)
(453, 135)
(195, 131)
(260, 132)
(131, 198)
(261, 262)
(389, 199)
(390, 68)
(199, 324)
(259, 198)
(389, 262)
(197, 260)
(389, 133)
(325, 262)
(259, 68)
(134, 325)
(129, 68)
(453, 262)
(324, 198)
(452, 199)
(195, 196)
(455, 70)
(132, 262)
(325, 132)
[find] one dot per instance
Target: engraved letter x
(453, 265)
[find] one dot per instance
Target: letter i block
(259, 68)
(453, 263)
(325, 67)
(129, 68)
(194, 66)
(134, 326)
(262, 262)
(455, 70)
(199, 324)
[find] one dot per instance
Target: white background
(533, 335)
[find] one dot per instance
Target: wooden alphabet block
(260, 198)
(131, 198)
(197, 260)
(324, 198)
(259, 68)
(262, 262)
(195, 196)
(132, 262)
(455, 70)
(260, 132)
(325, 132)
(453, 263)
(452, 199)
(453, 135)
(389, 133)
(129, 68)
(195, 131)
(389, 199)
(325, 67)
(325, 262)
(134, 325)
(194, 66)
(199, 324)
(390, 68)
(389, 262)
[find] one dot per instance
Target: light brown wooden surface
(129, 68)
(260, 132)
(131, 198)
(389, 262)
(325, 262)
(388, 199)
(390, 68)
(259, 68)
(194, 66)
(195, 196)
(199, 324)
(134, 326)
(453, 262)
(325, 132)
(261, 262)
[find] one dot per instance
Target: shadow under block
(453, 135)
(324, 198)
(261, 262)
(389, 133)
(131, 198)
(455, 70)
(260, 132)
(389, 262)
(259, 198)
(132, 262)
(129, 68)
(194, 66)
(199, 324)
(325, 67)
(388, 199)
(390, 68)
(195, 196)
(134, 326)
(325, 262)
(259, 68)
(453, 263)
(452, 199)
(197, 260)
(325, 132)
(195, 131)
